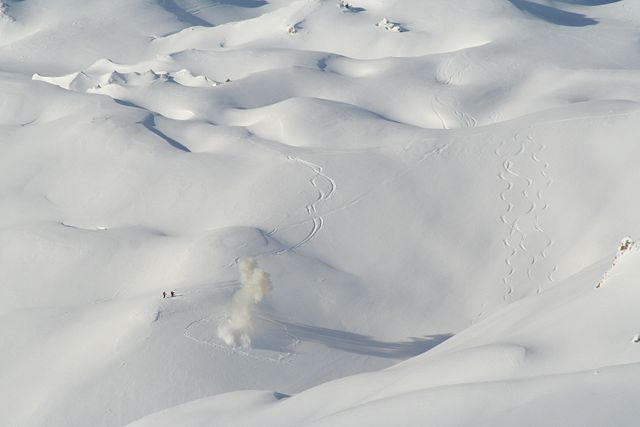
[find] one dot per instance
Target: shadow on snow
(342, 340)
(182, 15)
(589, 2)
(556, 16)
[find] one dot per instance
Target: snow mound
(390, 26)
(87, 81)
(348, 7)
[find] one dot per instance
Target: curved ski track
(216, 318)
(250, 353)
(448, 77)
(324, 194)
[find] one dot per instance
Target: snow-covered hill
(410, 174)
(568, 356)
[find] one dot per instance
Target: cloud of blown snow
(236, 329)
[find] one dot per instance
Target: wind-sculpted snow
(86, 82)
(403, 170)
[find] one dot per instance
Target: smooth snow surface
(405, 175)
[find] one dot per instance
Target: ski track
(324, 194)
(216, 286)
(448, 78)
(522, 205)
(463, 119)
(280, 358)
(325, 187)
(318, 220)
(217, 318)
(436, 110)
(327, 193)
(220, 286)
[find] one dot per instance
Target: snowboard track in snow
(524, 197)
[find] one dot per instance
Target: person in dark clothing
(173, 294)
(164, 294)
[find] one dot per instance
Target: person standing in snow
(173, 294)
(164, 294)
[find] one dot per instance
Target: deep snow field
(430, 191)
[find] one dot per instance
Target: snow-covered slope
(402, 169)
(549, 359)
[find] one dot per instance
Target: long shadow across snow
(182, 15)
(243, 3)
(556, 16)
(360, 344)
(589, 2)
(150, 123)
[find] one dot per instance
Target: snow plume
(235, 330)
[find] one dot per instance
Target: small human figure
(164, 294)
(173, 294)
